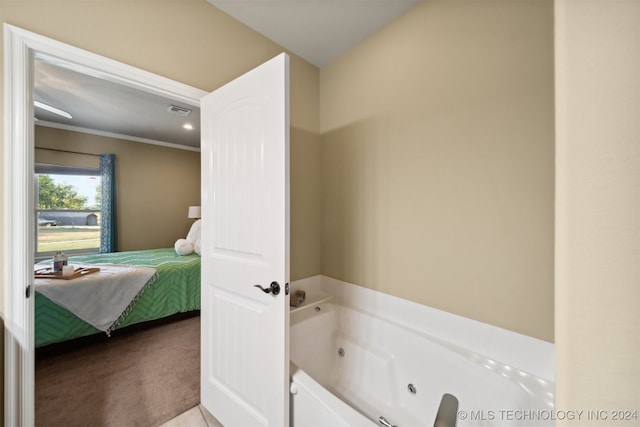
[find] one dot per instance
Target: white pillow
(194, 232)
(196, 246)
(183, 247)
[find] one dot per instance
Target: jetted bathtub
(350, 368)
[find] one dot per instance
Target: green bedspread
(177, 290)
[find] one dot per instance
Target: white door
(245, 242)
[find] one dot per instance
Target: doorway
(21, 49)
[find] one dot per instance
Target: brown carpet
(140, 378)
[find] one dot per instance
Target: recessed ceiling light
(188, 126)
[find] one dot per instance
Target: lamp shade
(194, 212)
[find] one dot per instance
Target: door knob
(273, 289)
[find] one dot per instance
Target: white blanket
(102, 298)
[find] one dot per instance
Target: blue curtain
(108, 230)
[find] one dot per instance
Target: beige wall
(154, 184)
(305, 212)
(598, 207)
(437, 156)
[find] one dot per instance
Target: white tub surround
(371, 355)
(529, 354)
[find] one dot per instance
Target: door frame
(20, 48)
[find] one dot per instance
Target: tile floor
(194, 417)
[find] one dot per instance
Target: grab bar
(384, 423)
(447, 411)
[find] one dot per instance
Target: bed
(176, 289)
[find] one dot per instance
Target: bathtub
(349, 368)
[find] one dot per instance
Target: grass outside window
(68, 238)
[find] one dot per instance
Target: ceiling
(106, 108)
(316, 30)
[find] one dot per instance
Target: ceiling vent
(181, 111)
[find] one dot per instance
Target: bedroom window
(68, 217)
